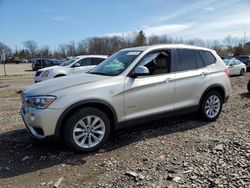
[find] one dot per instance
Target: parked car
(132, 86)
(226, 57)
(236, 67)
(75, 65)
(40, 63)
(23, 60)
(244, 59)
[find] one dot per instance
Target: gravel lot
(178, 152)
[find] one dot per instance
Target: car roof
(93, 56)
(158, 46)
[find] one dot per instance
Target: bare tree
(62, 49)
(44, 51)
(71, 49)
(4, 48)
(32, 46)
(82, 47)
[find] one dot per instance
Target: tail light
(227, 71)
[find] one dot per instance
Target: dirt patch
(178, 152)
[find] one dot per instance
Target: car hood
(55, 67)
(52, 85)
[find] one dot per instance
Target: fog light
(32, 117)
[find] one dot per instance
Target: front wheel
(87, 130)
(211, 106)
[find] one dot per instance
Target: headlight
(45, 73)
(40, 102)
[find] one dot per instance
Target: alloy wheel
(212, 106)
(89, 131)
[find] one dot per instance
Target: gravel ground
(178, 152)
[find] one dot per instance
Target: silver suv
(132, 86)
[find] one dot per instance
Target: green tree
(140, 39)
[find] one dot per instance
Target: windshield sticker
(133, 53)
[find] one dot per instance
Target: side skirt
(159, 116)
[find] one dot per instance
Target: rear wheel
(87, 130)
(242, 72)
(211, 106)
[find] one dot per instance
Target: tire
(81, 135)
(213, 112)
(242, 72)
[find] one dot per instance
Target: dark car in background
(40, 63)
(244, 59)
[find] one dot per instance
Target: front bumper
(40, 123)
(42, 78)
(38, 79)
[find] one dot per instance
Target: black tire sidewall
(68, 131)
(203, 103)
(242, 72)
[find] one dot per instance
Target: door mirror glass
(141, 70)
(76, 65)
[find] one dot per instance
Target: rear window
(207, 57)
(199, 61)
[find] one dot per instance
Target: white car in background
(78, 64)
(236, 67)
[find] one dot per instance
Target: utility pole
(3, 60)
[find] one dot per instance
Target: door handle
(168, 80)
(204, 74)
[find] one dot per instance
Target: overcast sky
(51, 22)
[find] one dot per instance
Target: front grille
(38, 73)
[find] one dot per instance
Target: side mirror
(76, 65)
(141, 71)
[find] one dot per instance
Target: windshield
(227, 62)
(68, 62)
(115, 64)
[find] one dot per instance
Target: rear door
(191, 75)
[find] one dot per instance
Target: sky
(52, 22)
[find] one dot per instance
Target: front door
(153, 93)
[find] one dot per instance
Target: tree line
(229, 46)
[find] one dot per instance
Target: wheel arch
(59, 75)
(95, 103)
(216, 87)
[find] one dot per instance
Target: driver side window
(157, 62)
